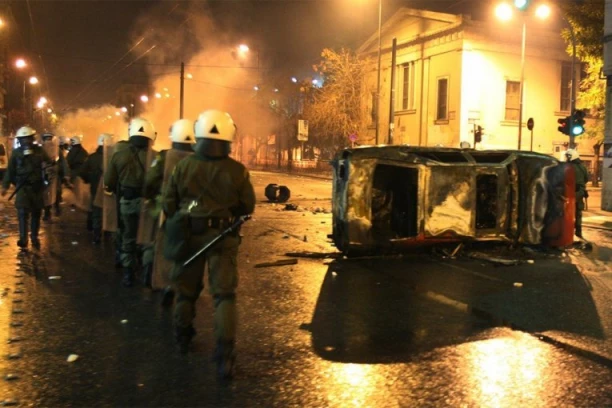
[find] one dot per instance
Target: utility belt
(200, 225)
(130, 193)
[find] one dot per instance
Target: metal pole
(392, 99)
(182, 90)
(573, 91)
(379, 61)
(520, 127)
(25, 109)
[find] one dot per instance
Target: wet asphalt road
(424, 330)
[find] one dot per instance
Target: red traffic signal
(563, 125)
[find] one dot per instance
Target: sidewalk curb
(312, 176)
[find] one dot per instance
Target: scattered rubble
(281, 262)
(314, 255)
(496, 260)
(72, 358)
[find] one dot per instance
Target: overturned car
(393, 197)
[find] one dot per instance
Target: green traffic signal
(578, 123)
(577, 130)
(521, 4)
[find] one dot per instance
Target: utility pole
(606, 191)
(182, 97)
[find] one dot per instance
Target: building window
(442, 113)
(566, 87)
(374, 105)
(407, 86)
(513, 100)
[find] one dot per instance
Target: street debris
(72, 358)
(75, 243)
(518, 284)
(124, 321)
(11, 377)
(493, 259)
(291, 207)
(459, 247)
(530, 261)
(54, 277)
(305, 238)
(277, 194)
(281, 262)
(314, 255)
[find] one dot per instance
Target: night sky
(79, 41)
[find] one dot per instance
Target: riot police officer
(154, 265)
(126, 174)
(213, 189)
(91, 172)
(582, 177)
(75, 158)
(51, 147)
(25, 171)
(62, 173)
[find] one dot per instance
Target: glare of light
(132, 105)
(157, 95)
(20, 63)
(189, 76)
(543, 11)
(294, 80)
(275, 89)
(1, 22)
(243, 48)
(54, 116)
(520, 4)
(577, 130)
(165, 89)
(43, 100)
(49, 110)
(33, 80)
(315, 82)
(144, 98)
(167, 95)
(256, 88)
(123, 109)
(39, 105)
(503, 11)
(109, 117)
(117, 113)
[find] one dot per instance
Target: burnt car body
(393, 197)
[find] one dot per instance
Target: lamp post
(378, 71)
(504, 12)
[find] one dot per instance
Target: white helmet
(141, 127)
(76, 140)
(62, 140)
(215, 124)
(103, 137)
(572, 154)
(182, 131)
(25, 131)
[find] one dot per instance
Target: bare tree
(337, 109)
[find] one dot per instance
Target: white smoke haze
(216, 77)
(91, 123)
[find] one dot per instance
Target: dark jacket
(27, 171)
(92, 170)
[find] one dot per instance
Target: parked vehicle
(392, 197)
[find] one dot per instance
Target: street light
(504, 12)
(144, 98)
(33, 80)
(20, 63)
(1, 22)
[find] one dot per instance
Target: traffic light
(521, 4)
(578, 123)
(564, 125)
(478, 134)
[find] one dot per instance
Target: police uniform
(126, 174)
(156, 267)
(91, 172)
(582, 177)
(119, 146)
(62, 173)
(25, 171)
(214, 189)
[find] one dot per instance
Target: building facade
(453, 74)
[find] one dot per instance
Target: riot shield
(108, 200)
(147, 224)
(162, 266)
(51, 147)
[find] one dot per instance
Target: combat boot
(35, 227)
(225, 358)
(47, 214)
(128, 277)
(23, 229)
(147, 273)
(167, 297)
(97, 236)
(183, 337)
